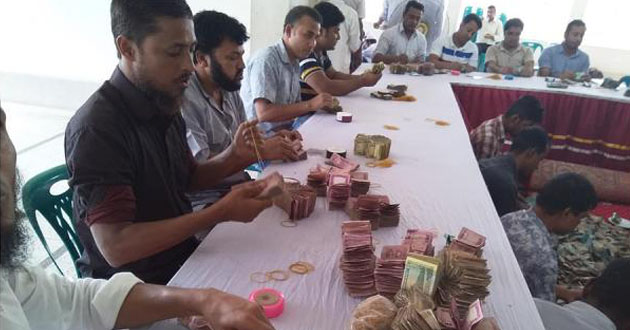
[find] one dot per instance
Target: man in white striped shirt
(457, 52)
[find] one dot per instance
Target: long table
(435, 179)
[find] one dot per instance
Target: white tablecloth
(436, 180)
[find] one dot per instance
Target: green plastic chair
(467, 10)
(503, 18)
(56, 209)
(481, 64)
(533, 45)
(625, 80)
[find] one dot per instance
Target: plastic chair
(503, 18)
(467, 10)
(533, 45)
(481, 65)
(56, 209)
(625, 80)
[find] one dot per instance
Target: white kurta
(350, 38)
(30, 298)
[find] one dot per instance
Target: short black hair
(297, 12)
(567, 191)
(513, 22)
(612, 288)
(534, 137)
(135, 19)
(574, 23)
(213, 27)
(413, 4)
(492, 7)
(472, 18)
(331, 15)
(527, 107)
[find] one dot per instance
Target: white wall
(57, 52)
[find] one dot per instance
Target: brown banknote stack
(358, 260)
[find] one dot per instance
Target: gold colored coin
(278, 275)
(259, 277)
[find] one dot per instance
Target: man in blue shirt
(566, 61)
(271, 80)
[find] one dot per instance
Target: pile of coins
(298, 267)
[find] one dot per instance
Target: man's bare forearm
(125, 242)
(279, 112)
(148, 303)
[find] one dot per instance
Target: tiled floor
(37, 134)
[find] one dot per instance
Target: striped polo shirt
(313, 63)
(445, 48)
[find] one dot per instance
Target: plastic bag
(374, 313)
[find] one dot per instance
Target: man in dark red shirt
(128, 157)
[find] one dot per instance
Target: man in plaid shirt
(488, 138)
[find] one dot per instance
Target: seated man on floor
(566, 60)
(560, 206)
(213, 108)
(502, 173)
(604, 305)
(271, 89)
(510, 57)
(35, 299)
(488, 138)
(129, 163)
(457, 52)
(318, 76)
(403, 43)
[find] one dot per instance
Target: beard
(167, 103)
(14, 239)
(221, 79)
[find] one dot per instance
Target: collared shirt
(494, 27)
(394, 41)
(499, 173)
(392, 12)
(432, 17)
(270, 75)
(358, 6)
(488, 138)
(446, 49)
(31, 298)
(210, 129)
(349, 38)
(558, 61)
(127, 162)
(515, 58)
(308, 66)
(534, 248)
(577, 315)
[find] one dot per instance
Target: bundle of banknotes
(358, 259)
(298, 201)
(465, 278)
(469, 241)
(338, 190)
(415, 311)
(389, 269)
(359, 183)
(420, 241)
(372, 146)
